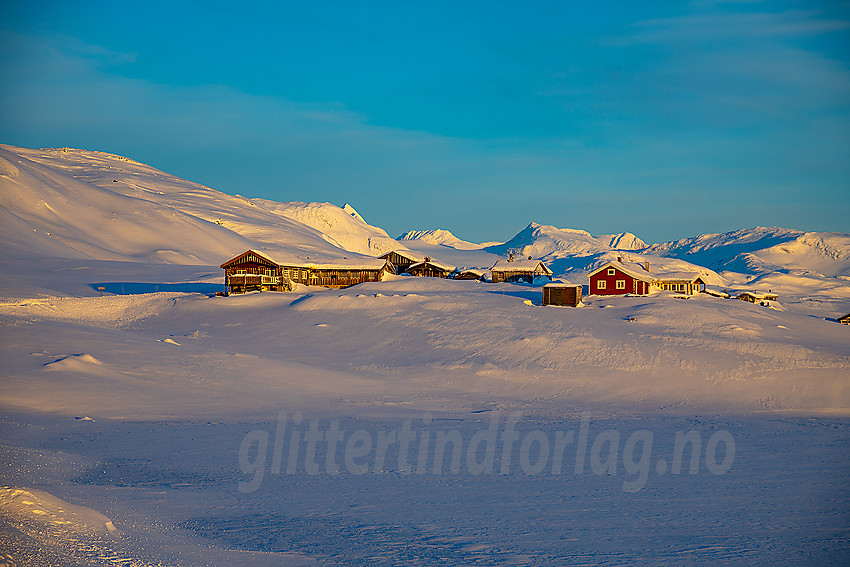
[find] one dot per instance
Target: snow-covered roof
(262, 255)
(338, 264)
(632, 269)
(519, 266)
(561, 284)
(677, 276)
(404, 254)
(477, 271)
(759, 295)
(435, 263)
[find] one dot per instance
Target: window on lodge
(600, 284)
(611, 271)
(621, 284)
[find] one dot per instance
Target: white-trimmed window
(600, 284)
(611, 271)
(621, 284)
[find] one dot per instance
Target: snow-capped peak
(441, 237)
(350, 210)
(622, 241)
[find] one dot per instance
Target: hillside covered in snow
(79, 204)
(67, 203)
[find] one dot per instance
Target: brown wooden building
(336, 273)
(519, 270)
(251, 271)
(256, 271)
(472, 274)
(401, 259)
(430, 268)
(557, 293)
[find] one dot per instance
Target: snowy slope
(110, 207)
(45, 212)
(428, 343)
(344, 225)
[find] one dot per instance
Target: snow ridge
(439, 236)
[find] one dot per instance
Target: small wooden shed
(844, 320)
(757, 297)
(559, 293)
(479, 274)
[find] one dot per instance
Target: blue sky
(665, 119)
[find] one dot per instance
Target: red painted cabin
(616, 278)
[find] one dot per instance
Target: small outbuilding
(757, 296)
(471, 274)
(844, 320)
(559, 293)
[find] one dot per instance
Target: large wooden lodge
(255, 271)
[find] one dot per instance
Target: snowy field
(187, 458)
(171, 489)
(415, 421)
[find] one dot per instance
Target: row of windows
(675, 287)
(619, 284)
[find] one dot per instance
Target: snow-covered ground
(155, 408)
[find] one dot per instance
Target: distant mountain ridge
(68, 203)
(344, 225)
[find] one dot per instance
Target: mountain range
(71, 203)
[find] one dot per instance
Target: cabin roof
(338, 264)
(634, 270)
(363, 263)
(435, 263)
(519, 266)
(403, 253)
(689, 277)
(561, 284)
(758, 294)
(261, 255)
